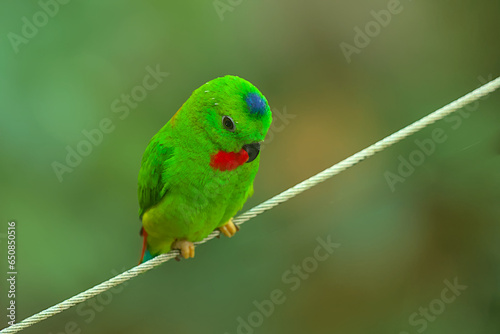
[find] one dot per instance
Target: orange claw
(186, 248)
(229, 229)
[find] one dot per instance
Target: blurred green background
(399, 243)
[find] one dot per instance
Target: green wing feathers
(152, 186)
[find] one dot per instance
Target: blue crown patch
(256, 104)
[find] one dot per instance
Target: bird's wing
(152, 186)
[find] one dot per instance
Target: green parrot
(198, 170)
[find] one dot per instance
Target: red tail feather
(144, 244)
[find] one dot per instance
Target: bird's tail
(145, 254)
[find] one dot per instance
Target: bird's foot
(229, 229)
(186, 248)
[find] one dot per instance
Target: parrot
(198, 170)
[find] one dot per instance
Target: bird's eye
(228, 123)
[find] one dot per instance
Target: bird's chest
(209, 186)
(201, 200)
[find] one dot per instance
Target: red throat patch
(224, 161)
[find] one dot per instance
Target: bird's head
(233, 114)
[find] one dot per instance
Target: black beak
(252, 150)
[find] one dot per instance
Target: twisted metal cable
(267, 205)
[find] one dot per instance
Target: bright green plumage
(193, 176)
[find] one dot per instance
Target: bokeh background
(398, 244)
